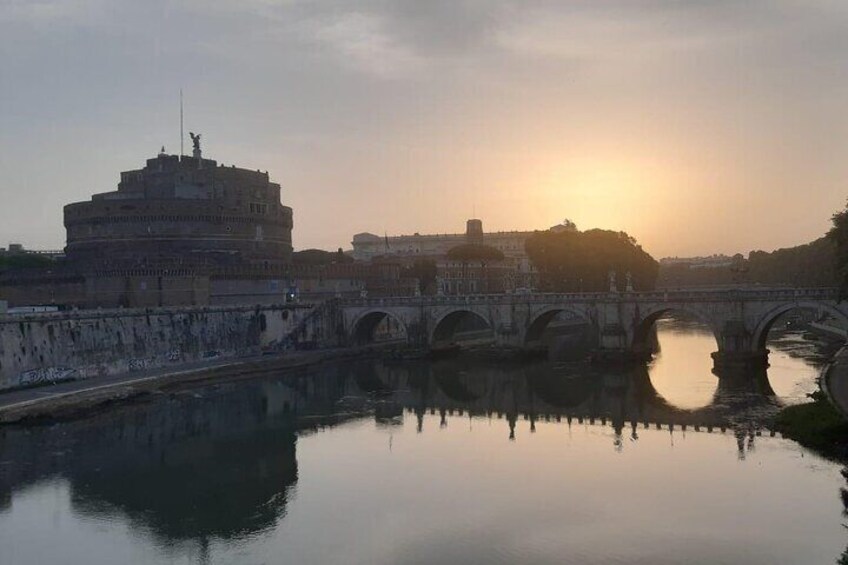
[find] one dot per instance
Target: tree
(320, 257)
(838, 234)
(808, 265)
(572, 261)
(425, 271)
(25, 261)
(475, 252)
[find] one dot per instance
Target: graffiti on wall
(46, 375)
(105, 345)
(138, 364)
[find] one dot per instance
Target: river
(452, 461)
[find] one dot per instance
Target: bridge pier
(614, 347)
(739, 362)
(738, 354)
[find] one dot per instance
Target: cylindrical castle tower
(181, 212)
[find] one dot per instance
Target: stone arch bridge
(619, 323)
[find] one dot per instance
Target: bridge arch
(364, 329)
(461, 387)
(373, 378)
(642, 327)
(463, 380)
(541, 320)
(766, 321)
(564, 391)
(461, 320)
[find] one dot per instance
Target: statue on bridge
(613, 287)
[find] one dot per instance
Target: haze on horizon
(697, 127)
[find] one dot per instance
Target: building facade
(485, 277)
(366, 246)
(181, 212)
(514, 273)
(374, 279)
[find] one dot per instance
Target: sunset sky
(697, 127)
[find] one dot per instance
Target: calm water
(442, 462)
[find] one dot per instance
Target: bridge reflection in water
(219, 463)
(198, 473)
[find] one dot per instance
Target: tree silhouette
(319, 257)
(838, 234)
(572, 261)
(475, 252)
(425, 271)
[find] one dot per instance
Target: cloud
(364, 43)
(428, 97)
(34, 13)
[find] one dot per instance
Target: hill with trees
(811, 265)
(574, 261)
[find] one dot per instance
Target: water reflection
(795, 360)
(678, 372)
(677, 369)
(220, 464)
(185, 467)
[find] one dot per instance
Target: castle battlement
(181, 208)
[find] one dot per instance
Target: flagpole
(181, 123)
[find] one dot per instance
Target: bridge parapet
(619, 322)
(688, 295)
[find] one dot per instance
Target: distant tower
(474, 231)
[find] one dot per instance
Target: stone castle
(182, 230)
(181, 213)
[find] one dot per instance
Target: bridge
(618, 323)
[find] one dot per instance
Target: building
(473, 277)
(179, 231)
(711, 262)
(17, 250)
(181, 212)
(366, 246)
(515, 272)
(352, 280)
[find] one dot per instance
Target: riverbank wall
(822, 425)
(829, 330)
(834, 381)
(51, 348)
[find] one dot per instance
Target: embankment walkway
(73, 397)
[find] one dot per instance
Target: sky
(697, 127)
